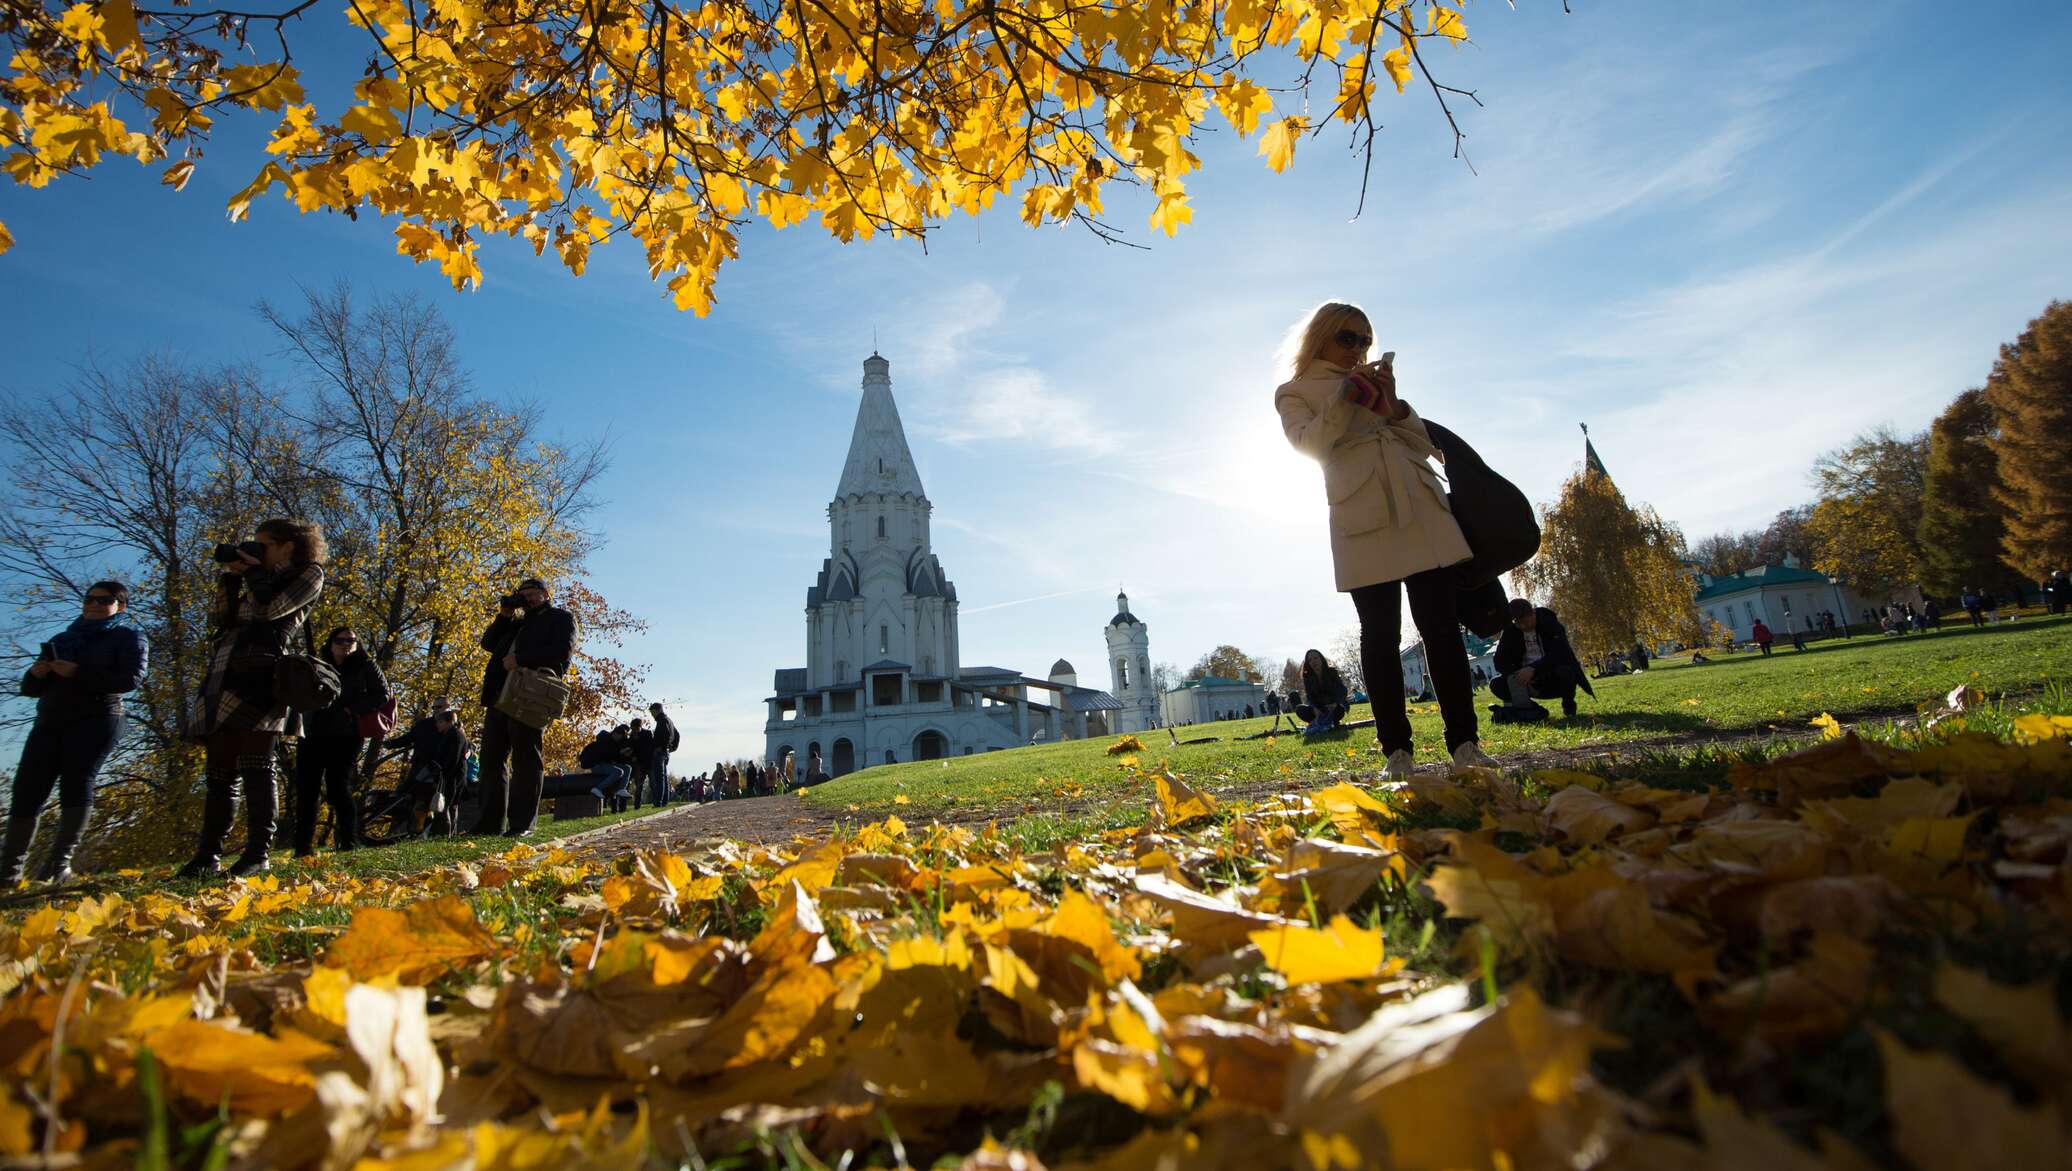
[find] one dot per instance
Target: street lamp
(1835, 582)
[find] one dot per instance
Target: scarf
(72, 640)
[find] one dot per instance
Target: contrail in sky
(1025, 601)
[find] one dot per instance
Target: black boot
(261, 810)
(218, 811)
(72, 821)
(20, 832)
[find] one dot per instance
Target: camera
(228, 554)
(511, 602)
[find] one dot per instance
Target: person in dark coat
(539, 636)
(438, 759)
(331, 743)
(642, 746)
(78, 681)
(262, 601)
(1534, 659)
(600, 758)
(667, 738)
(1328, 696)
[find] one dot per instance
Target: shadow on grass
(1661, 723)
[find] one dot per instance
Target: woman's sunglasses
(1347, 337)
(100, 599)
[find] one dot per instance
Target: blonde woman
(1392, 529)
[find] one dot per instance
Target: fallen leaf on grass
(1339, 950)
(414, 945)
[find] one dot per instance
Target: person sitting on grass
(438, 753)
(1328, 697)
(1534, 659)
(600, 758)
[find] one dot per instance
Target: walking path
(772, 820)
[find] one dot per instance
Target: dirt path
(768, 820)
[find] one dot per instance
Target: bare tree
(1345, 653)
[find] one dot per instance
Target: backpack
(675, 737)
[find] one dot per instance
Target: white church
(883, 680)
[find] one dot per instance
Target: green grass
(1851, 679)
(411, 856)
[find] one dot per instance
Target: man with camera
(531, 634)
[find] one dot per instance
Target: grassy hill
(1852, 679)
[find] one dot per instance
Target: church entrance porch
(844, 761)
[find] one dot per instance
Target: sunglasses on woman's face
(345, 642)
(100, 599)
(1347, 337)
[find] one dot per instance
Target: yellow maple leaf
(414, 944)
(1172, 212)
(1279, 144)
(1830, 727)
(1339, 950)
(1397, 62)
(1244, 103)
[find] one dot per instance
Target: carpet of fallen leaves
(1210, 989)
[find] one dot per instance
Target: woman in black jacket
(262, 600)
(78, 683)
(1325, 687)
(331, 742)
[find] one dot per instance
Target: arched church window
(841, 670)
(1122, 673)
(881, 528)
(884, 640)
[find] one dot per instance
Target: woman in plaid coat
(257, 617)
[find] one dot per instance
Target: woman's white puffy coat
(1389, 514)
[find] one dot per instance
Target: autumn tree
(1345, 655)
(433, 502)
(1612, 570)
(1787, 535)
(1867, 520)
(1961, 518)
(681, 123)
(1228, 662)
(2030, 390)
(1291, 676)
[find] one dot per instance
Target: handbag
(379, 722)
(304, 683)
(533, 696)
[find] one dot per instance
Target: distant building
(1417, 679)
(1211, 697)
(1783, 597)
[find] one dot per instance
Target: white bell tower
(1129, 669)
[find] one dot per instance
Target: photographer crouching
(528, 634)
(263, 597)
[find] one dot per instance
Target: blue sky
(1728, 241)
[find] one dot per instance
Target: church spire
(1590, 461)
(878, 457)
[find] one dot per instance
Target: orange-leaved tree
(1613, 571)
(679, 122)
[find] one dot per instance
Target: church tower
(882, 595)
(1129, 669)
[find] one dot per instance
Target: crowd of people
(1393, 536)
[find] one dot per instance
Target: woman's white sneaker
(1469, 754)
(1399, 766)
